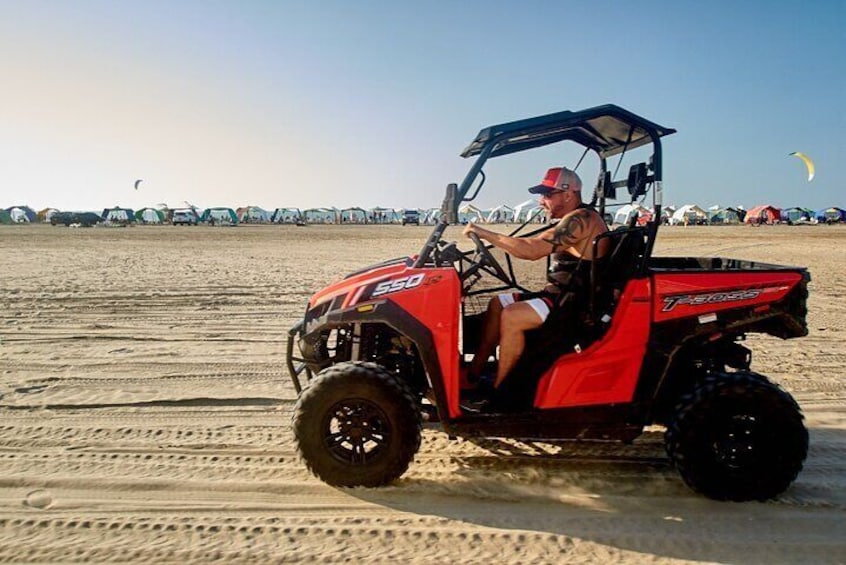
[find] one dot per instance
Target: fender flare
(390, 314)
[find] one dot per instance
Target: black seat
(610, 275)
(579, 321)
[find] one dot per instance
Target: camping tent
(353, 215)
(764, 214)
(469, 213)
(831, 215)
(22, 214)
(645, 216)
(5, 217)
(797, 215)
(220, 216)
(430, 216)
(501, 214)
(45, 214)
(252, 215)
(529, 209)
(84, 219)
(286, 216)
(725, 216)
(149, 216)
(689, 214)
(625, 214)
(118, 215)
(381, 215)
(321, 216)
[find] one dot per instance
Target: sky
(370, 103)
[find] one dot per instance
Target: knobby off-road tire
(356, 424)
(737, 436)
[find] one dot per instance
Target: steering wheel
(486, 258)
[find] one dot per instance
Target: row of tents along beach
(691, 214)
(529, 210)
(256, 215)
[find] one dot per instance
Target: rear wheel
(356, 424)
(737, 436)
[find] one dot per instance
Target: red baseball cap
(558, 178)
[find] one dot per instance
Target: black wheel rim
(356, 431)
(735, 443)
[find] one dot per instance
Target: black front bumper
(296, 365)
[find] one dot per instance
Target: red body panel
(434, 302)
(607, 371)
(604, 373)
(680, 295)
(349, 284)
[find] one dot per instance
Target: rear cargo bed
(714, 264)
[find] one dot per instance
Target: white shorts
(539, 305)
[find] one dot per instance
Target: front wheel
(356, 424)
(737, 436)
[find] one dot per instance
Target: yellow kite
(808, 163)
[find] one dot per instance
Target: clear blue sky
(368, 103)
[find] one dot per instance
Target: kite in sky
(808, 163)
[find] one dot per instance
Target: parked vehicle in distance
(184, 218)
(411, 217)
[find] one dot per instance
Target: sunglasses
(552, 193)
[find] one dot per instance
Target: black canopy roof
(606, 129)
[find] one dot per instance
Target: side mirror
(637, 180)
(449, 209)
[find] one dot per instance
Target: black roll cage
(607, 130)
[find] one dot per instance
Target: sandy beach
(146, 418)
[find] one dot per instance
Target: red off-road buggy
(658, 341)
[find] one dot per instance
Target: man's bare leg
(490, 338)
(514, 322)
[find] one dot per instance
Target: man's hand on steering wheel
(484, 255)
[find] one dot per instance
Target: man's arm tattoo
(570, 230)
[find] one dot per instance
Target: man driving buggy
(570, 245)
